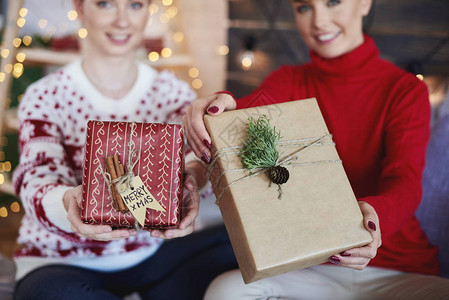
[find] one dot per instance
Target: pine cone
(278, 174)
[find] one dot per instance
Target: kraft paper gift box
(317, 215)
(154, 152)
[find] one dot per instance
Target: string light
(5, 53)
(16, 42)
(3, 211)
(42, 23)
(82, 33)
(247, 59)
(166, 52)
(223, 50)
(153, 56)
(15, 207)
(18, 70)
(21, 22)
(72, 15)
(20, 57)
(178, 36)
(172, 11)
(167, 2)
(153, 9)
(164, 18)
(194, 72)
(197, 83)
(23, 12)
(2, 76)
(27, 40)
(8, 68)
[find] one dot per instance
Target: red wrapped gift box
(158, 162)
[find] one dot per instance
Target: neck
(112, 77)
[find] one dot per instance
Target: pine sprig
(259, 149)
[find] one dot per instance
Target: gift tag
(138, 198)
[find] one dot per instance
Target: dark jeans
(181, 269)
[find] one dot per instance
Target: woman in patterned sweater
(60, 256)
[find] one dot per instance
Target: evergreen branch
(259, 149)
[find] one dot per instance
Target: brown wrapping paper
(317, 216)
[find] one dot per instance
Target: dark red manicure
(334, 259)
(345, 254)
(206, 142)
(372, 225)
(205, 158)
(213, 109)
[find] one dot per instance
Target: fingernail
(334, 259)
(124, 234)
(169, 234)
(107, 229)
(345, 254)
(206, 143)
(372, 225)
(205, 158)
(213, 109)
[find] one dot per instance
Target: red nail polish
(205, 158)
(213, 109)
(334, 259)
(372, 225)
(206, 142)
(345, 254)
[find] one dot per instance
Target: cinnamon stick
(109, 162)
(120, 171)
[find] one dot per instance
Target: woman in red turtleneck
(379, 117)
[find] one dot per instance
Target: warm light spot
(2, 76)
(15, 207)
(2, 167)
(166, 52)
(19, 98)
(2, 179)
(197, 83)
(82, 33)
(178, 36)
(172, 11)
(23, 12)
(420, 76)
(21, 57)
(223, 50)
(153, 56)
(72, 15)
(7, 166)
(246, 62)
(194, 72)
(16, 42)
(164, 18)
(8, 68)
(167, 2)
(18, 70)
(3, 212)
(153, 8)
(20, 22)
(5, 53)
(27, 40)
(42, 23)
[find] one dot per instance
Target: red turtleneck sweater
(379, 117)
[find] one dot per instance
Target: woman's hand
(196, 132)
(189, 210)
(358, 258)
(72, 202)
